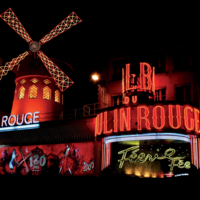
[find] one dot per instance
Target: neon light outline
(186, 118)
(23, 127)
(126, 100)
(196, 119)
(143, 75)
(115, 121)
(134, 99)
(146, 136)
(128, 75)
(126, 120)
(139, 118)
(99, 124)
(105, 130)
(178, 116)
(162, 117)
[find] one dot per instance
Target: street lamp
(95, 77)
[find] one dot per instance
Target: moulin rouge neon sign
(133, 158)
(26, 119)
(145, 117)
(152, 117)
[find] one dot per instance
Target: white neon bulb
(107, 153)
(193, 149)
(185, 174)
(14, 128)
(197, 154)
(148, 136)
(104, 156)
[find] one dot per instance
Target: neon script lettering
(134, 157)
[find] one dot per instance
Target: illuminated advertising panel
(147, 156)
(73, 159)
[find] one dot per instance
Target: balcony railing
(86, 111)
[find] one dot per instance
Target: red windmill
(36, 80)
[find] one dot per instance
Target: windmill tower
(39, 82)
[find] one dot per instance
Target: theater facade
(138, 137)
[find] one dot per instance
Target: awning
(49, 133)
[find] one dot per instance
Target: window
(23, 81)
(47, 81)
(160, 95)
(21, 92)
(117, 100)
(57, 96)
(33, 92)
(46, 93)
(183, 93)
(34, 80)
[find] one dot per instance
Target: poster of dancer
(70, 159)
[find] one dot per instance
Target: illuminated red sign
(145, 81)
(148, 117)
(14, 120)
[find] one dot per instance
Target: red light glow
(186, 122)
(128, 78)
(143, 81)
(139, 118)
(105, 124)
(196, 119)
(134, 99)
(99, 122)
(125, 119)
(148, 117)
(126, 100)
(115, 121)
(178, 117)
(162, 117)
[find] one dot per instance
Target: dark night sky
(106, 28)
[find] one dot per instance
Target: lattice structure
(64, 25)
(33, 92)
(62, 80)
(46, 93)
(23, 81)
(21, 92)
(11, 19)
(57, 96)
(47, 81)
(10, 65)
(34, 80)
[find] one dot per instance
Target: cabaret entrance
(149, 155)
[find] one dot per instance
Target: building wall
(173, 67)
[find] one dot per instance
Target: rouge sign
(14, 120)
(148, 117)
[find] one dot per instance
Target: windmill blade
(61, 79)
(10, 65)
(11, 19)
(64, 25)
